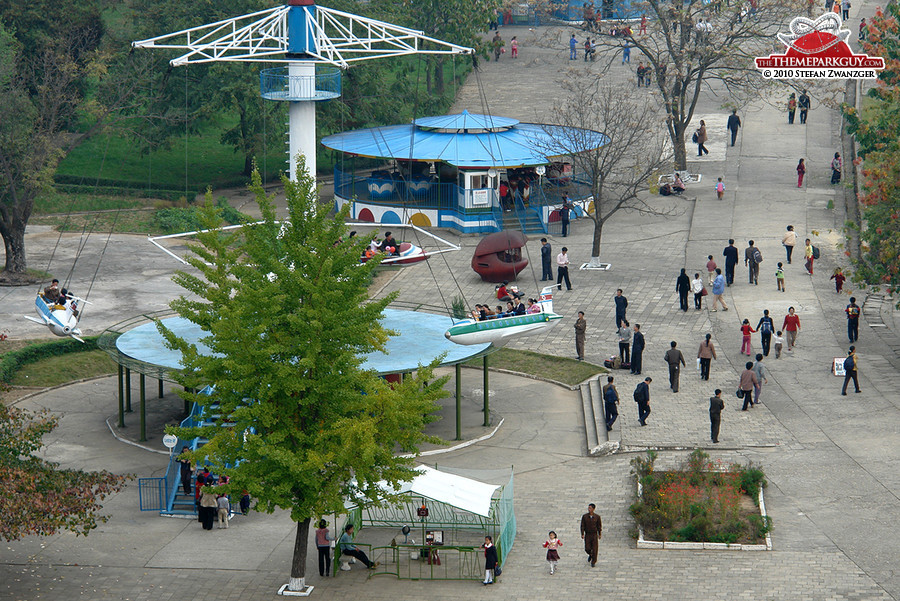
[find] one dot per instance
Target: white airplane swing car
(61, 319)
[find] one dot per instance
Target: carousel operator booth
(472, 173)
(436, 529)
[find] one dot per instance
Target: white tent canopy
(463, 493)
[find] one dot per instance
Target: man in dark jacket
(637, 349)
(610, 400)
(642, 398)
(546, 269)
(683, 286)
(803, 105)
(675, 360)
(734, 123)
(591, 532)
(621, 307)
(716, 405)
(731, 258)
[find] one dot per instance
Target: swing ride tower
(313, 43)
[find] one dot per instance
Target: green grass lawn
(567, 371)
(64, 368)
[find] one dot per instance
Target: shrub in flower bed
(702, 501)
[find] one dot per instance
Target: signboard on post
(837, 368)
(170, 440)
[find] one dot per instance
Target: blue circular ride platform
(419, 340)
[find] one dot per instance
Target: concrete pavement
(830, 460)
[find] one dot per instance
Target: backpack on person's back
(756, 255)
(848, 364)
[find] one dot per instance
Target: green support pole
(128, 390)
(121, 397)
(187, 405)
(487, 394)
(161, 392)
(143, 408)
(458, 401)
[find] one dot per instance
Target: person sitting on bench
(348, 548)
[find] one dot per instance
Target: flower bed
(701, 505)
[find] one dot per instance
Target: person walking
(731, 258)
(746, 330)
(752, 259)
(497, 46)
(778, 339)
(610, 402)
(701, 139)
(720, 189)
(642, 398)
(683, 287)
(323, 545)
(580, 328)
(803, 105)
(552, 544)
(716, 405)
(836, 168)
(791, 108)
(491, 561)
(779, 276)
(573, 48)
(760, 370)
(591, 533)
(546, 268)
(765, 327)
(624, 336)
(706, 354)
(734, 124)
(789, 240)
(710, 269)
(747, 383)
(851, 367)
(791, 327)
(810, 255)
(562, 269)
(514, 47)
(801, 171)
(718, 290)
(845, 9)
(208, 506)
(621, 308)
(853, 312)
(637, 350)
(697, 288)
(675, 360)
(839, 279)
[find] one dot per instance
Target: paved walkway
(831, 460)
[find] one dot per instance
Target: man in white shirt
(562, 269)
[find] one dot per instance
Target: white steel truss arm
(340, 38)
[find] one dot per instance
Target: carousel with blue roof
(468, 172)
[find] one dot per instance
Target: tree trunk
(678, 146)
(439, 77)
(298, 563)
(248, 164)
(12, 229)
(595, 244)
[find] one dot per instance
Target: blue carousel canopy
(468, 140)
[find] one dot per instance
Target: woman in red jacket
(791, 327)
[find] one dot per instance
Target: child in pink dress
(552, 544)
(514, 43)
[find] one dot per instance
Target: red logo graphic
(818, 50)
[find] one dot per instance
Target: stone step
(590, 424)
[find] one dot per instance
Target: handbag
(704, 292)
(739, 393)
(497, 570)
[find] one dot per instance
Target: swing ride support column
(161, 392)
(121, 397)
(128, 390)
(142, 380)
(458, 402)
(302, 117)
(487, 406)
